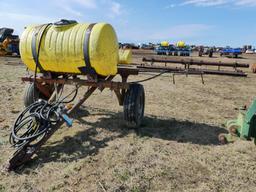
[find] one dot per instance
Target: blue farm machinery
(233, 52)
(180, 49)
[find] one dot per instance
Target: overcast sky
(210, 22)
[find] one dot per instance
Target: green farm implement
(244, 127)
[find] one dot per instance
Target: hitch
(33, 127)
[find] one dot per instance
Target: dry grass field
(176, 148)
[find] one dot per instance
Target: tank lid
(63, 22)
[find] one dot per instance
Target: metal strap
(87, 69)
(38, 34)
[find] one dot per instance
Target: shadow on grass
(181, 131)
(86, 143)
(231, 57)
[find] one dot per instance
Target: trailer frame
(121, 88)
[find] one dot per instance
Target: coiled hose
(34, 122)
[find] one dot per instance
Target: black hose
(150, 78)
(72, 99)
(33, 123)
(38, 54)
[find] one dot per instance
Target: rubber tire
(32, 94)
(134, 104)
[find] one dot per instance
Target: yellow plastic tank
(125, 56)
(62, 48)
(165, 43)
(180, 44)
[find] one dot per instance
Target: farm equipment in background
(244, 127)
(231, 52)
(250, 51)
(9, 43)
(165, 50)
(184, 51)
(128, 46)
(149, 46)
(179, 50)
(205, 51)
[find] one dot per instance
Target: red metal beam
(99, 84)
(196, 62)
(191, 71)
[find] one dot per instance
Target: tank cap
(65, 22)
